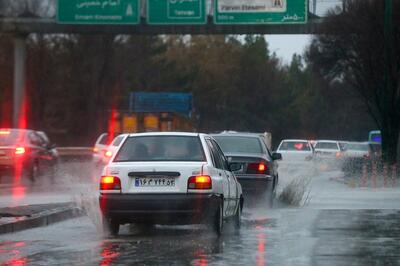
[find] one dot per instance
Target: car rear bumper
(255, 183)
(12, 165)
(159, 208)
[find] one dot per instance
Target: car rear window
(233, 144)
(327, 146)
(161, 148)
(295, 146)
(11, 137)
(104, 139)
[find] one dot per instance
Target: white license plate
(154, 182)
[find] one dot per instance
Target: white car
(169, 178)
(111, 149)
(361, 150)
(104, 148)
(329, 151)
(100, 148)
(295, 152)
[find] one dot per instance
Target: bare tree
(355, 55)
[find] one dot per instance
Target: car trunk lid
(155, 177)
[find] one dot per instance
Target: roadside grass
(296, 192)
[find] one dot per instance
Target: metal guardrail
(75, 152)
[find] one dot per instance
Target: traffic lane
(260, 242)
(275, 237)
(357, 237)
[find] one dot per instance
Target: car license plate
(154, 182)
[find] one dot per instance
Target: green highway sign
(176, 12)
(260, 11)
(98, 11)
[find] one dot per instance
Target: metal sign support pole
(19, 77)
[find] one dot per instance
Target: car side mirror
(53, 146)
(235, 167)
(276, 156)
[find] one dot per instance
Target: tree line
(238, 84)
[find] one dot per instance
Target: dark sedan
(26, 153)
(258, 173)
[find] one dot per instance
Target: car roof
(304, 140)
(238, 134)
(189, 134)
(328, 141)
(358, 142)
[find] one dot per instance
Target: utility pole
(388, 86)
(19, 78)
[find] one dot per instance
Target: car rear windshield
(104, 140)
(11, 137)
(357, 147)
(233, 144)
(161, 148)
(295, 146)
(327, 145)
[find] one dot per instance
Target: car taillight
(108, 154)
(257, 168)
(200, 182)
(338, 154)
(20, 150)
(110, 183)
(4, 132)
(95, 150)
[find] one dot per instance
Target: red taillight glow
(110, 183)
(298, 146)
(20, 150)
(257, 168)
(261, 167)
(200, 182)
(338, 154)
(95, 150)
(108, 154)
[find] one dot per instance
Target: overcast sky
(286, 45)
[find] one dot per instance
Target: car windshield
(161, 148)
(10, 137)
(295, 146)
(326, 145)
(357, 147)
(236, 144)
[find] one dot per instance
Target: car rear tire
(110, 226)
(237, 222)
(32, 172)
(270, 197)
(218, 223)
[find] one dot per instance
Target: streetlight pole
(388, 84)
(19, 78)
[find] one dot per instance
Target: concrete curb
(44, 218)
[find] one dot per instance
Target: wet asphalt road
(287, 237)
(339, 226)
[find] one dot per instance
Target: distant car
(358, 150)
(100, 148)
(358, 154)
(258, 172)
(169, 178)
(111, 149)
(376, 149)
(295, 152)
(329, 151)
(27, 152)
